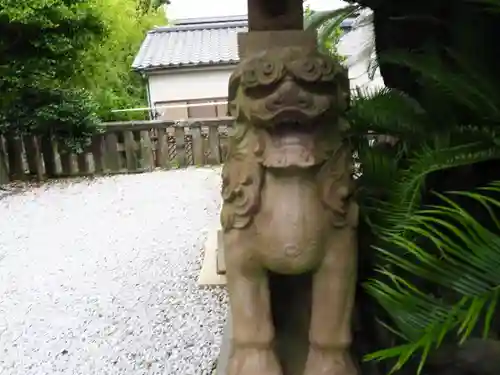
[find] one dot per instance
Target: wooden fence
(123, 147)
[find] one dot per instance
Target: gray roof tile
(195, 43)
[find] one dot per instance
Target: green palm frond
(327, 25)
(466, 262)
(465, 133)
(492, 6)
(441, 248)
(424, 146)
(379, 167)
(332, 19)
(465, 85)
(386, 111)
(405, 198)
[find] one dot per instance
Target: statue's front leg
(249, 299)
(332, 306)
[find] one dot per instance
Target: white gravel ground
(99, 277)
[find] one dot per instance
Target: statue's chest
(290, 226)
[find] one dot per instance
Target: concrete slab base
(208, 275)
(221, 261)
(225, 349)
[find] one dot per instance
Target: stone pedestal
(221, 261)
(225, 347)
(213, 267)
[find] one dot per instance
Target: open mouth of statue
(292, 132)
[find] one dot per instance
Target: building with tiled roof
(188, 65)
(199, 43)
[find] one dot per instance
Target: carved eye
(307, 69)
(309, 66)
(249, 78)
(268, 71)
(328, 69)
(267, 68)
(261, 72)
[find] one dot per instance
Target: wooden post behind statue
(288, 217)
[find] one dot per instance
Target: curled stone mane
(337, 187)
(242, 178)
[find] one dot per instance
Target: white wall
(189, 85)
(358, 46)
(202, 8)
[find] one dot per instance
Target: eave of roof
(195, 43)
(192, 43)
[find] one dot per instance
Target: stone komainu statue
(288, 210)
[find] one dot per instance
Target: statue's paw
(329, 362)
(252, 361)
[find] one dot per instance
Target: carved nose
(289, 95)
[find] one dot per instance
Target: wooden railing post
(14, 146)
(4, 172)
(49, 155)
(33, 156)
(213, 140)
(66, 157)
(82, 162)
(112, 156)
(197, 144)
(130, 150)
(98, 153)
(146, 150)
(162, 156)
(180, 145)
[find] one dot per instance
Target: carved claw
(253, 361)
(329, 362)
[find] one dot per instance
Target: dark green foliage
(40, 45)
(66, 64)
(434, 258)
(327, 25)
(107, 65)
(145, 6)
(465, 264)
(433, 254)
(48, 110)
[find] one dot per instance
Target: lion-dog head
(292, 101)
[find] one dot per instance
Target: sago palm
(441, 244)
(435, 261)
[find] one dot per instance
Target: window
(171, 110)
(200, 108)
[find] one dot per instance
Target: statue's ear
(234, 84)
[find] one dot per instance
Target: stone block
(209, 275)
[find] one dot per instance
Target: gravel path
(99, 277)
